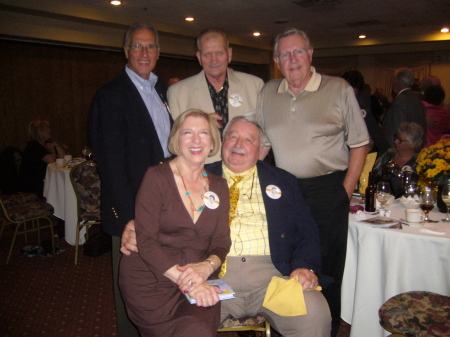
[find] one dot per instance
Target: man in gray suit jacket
(406, 107)
(216, 89)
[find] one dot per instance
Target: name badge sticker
(211, 200)
(235, 100)
(273, 192)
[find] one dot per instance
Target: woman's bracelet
(213, 265)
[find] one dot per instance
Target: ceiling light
(189, 18)
(362, 36)
(256, 34)
(116, 2)
(444, 30)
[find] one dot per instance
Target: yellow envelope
(285, 297)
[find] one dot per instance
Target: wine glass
(427, 201)
(383, 193)
(446, 200)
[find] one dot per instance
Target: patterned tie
(234, 198)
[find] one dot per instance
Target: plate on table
(380, 221)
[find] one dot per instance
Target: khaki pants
(249, 277)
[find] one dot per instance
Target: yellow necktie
(234, 198)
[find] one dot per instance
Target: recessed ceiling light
(189, 18)
(362, 36)
(116, 2)
(444, 30)
(256, 34)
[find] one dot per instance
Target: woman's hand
(193, 275)
(206, 294)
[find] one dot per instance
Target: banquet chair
(28, 214)
(86, 184)
(255, 323)
(416, 313)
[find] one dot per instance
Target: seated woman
(39, 152)
(392, 165)
(182, 237)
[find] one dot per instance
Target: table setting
(404, 245)
(60, 194)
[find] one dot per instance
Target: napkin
(285, 297)
(360, 216)
(430, 229)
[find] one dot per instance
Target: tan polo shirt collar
(313, 84)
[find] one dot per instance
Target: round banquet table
(382, 263)
(60, 194)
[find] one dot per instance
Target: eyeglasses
(297, 53)
(138, 48)
(396, 137)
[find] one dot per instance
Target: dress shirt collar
(140, 82)
(402, 91)
(312, 85)
(227, 174)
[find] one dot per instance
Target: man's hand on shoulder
(306, 278)
(128, 243)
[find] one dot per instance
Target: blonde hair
(175, 132)
(36, 130)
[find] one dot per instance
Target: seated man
(272, 233)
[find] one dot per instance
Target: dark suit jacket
(125, 144)
(293, 234)
(406, 107)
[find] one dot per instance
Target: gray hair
(214, 32)
(405, 77)
(139, 25)
(262, 135)
(289, 32)
(413, 133)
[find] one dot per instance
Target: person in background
(216, 89)
(426, 82)
(433, 98)
(272, 234)
(395, 162)
(129, 127)
(406, 107)
(39, 152)
(318, 134)
(377, 141)
(379, 104)
(182, 236)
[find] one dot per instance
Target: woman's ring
(191, 283)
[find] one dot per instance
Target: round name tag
(211, 200)
(235, 100)
(273, 191)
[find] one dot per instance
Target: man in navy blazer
(273, 234)
(129, 129)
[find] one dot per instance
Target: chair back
(86, 183)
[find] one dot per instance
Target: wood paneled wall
(57, 83)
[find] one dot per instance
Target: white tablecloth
(382, 263)
(59, 192)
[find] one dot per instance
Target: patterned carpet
(46, 296)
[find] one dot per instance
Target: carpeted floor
(46, 296)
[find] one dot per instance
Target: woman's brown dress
(167, 236)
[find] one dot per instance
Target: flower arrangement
(433, 163)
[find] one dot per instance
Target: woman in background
(392, 165)
(39, 152)
(438, 118)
